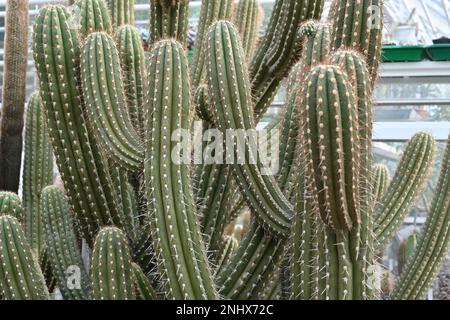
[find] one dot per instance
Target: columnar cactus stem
(132, 60)
(94, 17)
(230, 89)
(20, 275)
(144, 288)
(210, 12)
(62, 247)
(112, 271)
(177, 241)
(14, 90)
(358, 24)
(279, 48)
(121, 12)
(432, 244)
(247, 18)
(82, 167)
(413, 170)
(168, 19)
(106, 102)
(10, 204)
(37, 170)
(381, 181)
(229, 248)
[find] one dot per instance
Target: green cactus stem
(106, 102)
(178, 244)
(94, 17)
(432, 243)
(121, 12)
(62, 247)
(229, 248)
(144, 288)
(279, 48)
(358, 24)
(408, 181)
(10, 204)
(20, 275)
(247, 18)
(232, 105)
(112, 270)
(381, 181)
(132, 60)
(168, 19)
(14, 90)
(81, 165)
(37, 170)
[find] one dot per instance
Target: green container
(439, 52)
(403, 53)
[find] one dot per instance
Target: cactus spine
(14, 90)
(62, 247)
(168, 19)
(37, 170)
(112, 272)
(20, 275)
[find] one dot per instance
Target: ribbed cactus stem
(176, 234)
(62, 245)
(81, 165)
(112, 271)
(121, 12)
(10, 204)
(247, 18)
(229, 248)
(210, 12)
(94, 17)
(15, 58)
(230, 89)
(144, 288)
(20, 275)
(408, 181)
(37, 169)
(168, 19)
(381, 180)
(279, 48)
(432, 243)
(132, 61)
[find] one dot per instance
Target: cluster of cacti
(157, 225)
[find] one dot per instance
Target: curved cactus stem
(37, 170)
(132, 60)
(359, 25)
(432, 244)
(229, 248)
(247, 18)
(10, 204)
(144, 288)
(20, 275)
(94, 17)
(47, 271)
(381, 181)
(121, 12)
(278, 49)
(142, 249)
(62, 247)
(106, 103)
(168, 19)
(175, 229)
(210, 12)
(230, 89)
(83, 168)
(413, 170)
(112, 271)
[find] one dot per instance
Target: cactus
(168, 19)
(121, 12)
(381, 180)
(177, 241)
(20, 275)
(247, 18)
(228, 250)
(210, 12)
(14, 91)
(37, 170)
(432, 244)
(132, 60)
(62, 247)
(10, 204)
(94, 17)
(112, 270)
(144, 287)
